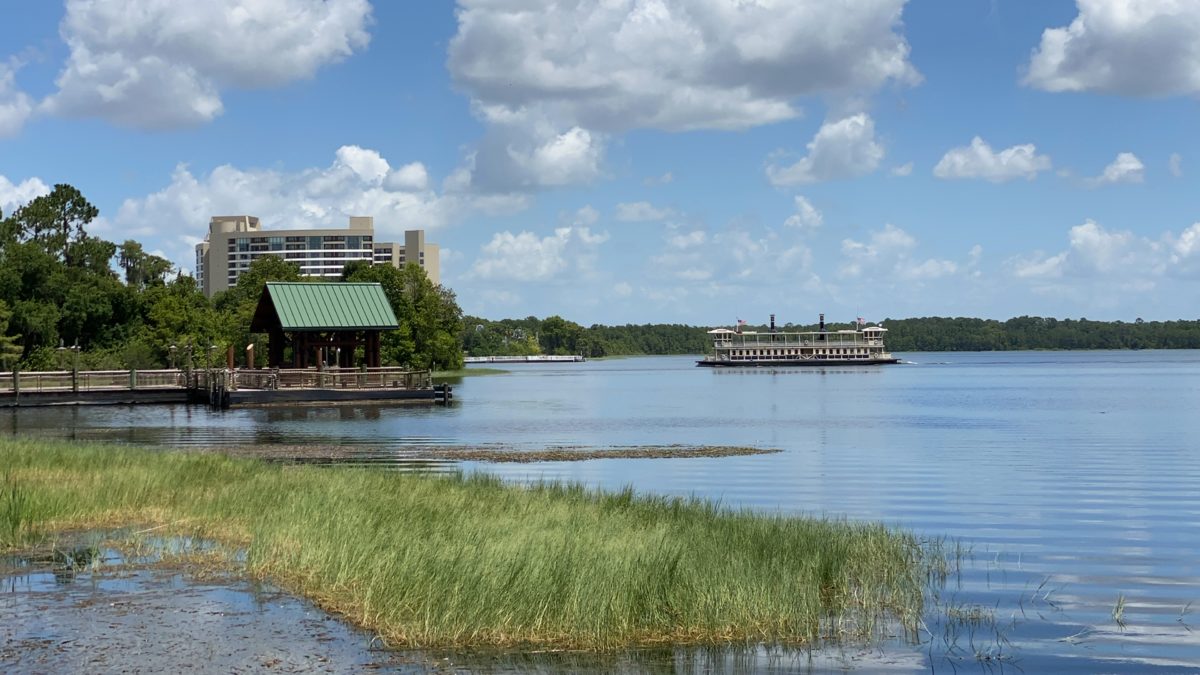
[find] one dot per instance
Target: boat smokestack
(772, 323)
(822, 328)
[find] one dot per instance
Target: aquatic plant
(471, 560)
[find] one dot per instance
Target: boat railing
(778, 340)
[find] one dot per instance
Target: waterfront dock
(220, 387)
(537, 358)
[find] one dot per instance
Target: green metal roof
(326, 306)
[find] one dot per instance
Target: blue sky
(647, 160)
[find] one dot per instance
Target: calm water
(1073, 479)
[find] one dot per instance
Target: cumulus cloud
(903, 170)
(978, 160)
(158, 64)
(641, 212)
(14, 195)
(1100, 258)
(673, 64)
(730, 258)
(888, 253)
(556, 81)
(526, 257)
(516, 157)
(1126, 47)
(359, 182)
(15, 106)
(806, 216)
(1175, 164)
(1126, 168)
(842, 149)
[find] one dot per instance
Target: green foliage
(54, 221)
(430, 319)
(10, 350)
(58, 287)
(555, 335)
(1035, 332)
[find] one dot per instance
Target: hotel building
(233, 242)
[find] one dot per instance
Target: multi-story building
(233, 242)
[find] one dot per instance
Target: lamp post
(75, 367)
(171, 355)
(212, 349)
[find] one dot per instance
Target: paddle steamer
(738, 347)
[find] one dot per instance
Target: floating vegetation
(490, 453)
(472, 561)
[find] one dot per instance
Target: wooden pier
(536, 358)
(219, 387)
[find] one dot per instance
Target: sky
(647, 161)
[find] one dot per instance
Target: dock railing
(332, 378)
(89, 380)
(48, 381)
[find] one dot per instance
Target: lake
(1070, 481)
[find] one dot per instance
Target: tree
(142, 269)
(54, 221)
(10, 351)
(235, 307)
(430, 318)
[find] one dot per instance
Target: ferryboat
(858, 346)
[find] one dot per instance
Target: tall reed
(469, 560)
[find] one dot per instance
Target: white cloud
(665, 179)
(1175, 164)
(15, 106)
(408, 178)
(517, 157)
(586, 216)
(978, 160)
(359, 182)
(1126, 168)
(1127, 47)
(622, 290)
(888, 254)
(556, 81)
(526, 257)
(14, 195)
(160, 64)
(731, 258)
(842, 149)
(686, 240)
(673, 64)
(639, 212)
(903, 170)
(1098, 255)
(806, 216)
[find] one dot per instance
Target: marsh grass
(468, 372)
(458, 561)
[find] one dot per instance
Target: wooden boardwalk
(219, 387)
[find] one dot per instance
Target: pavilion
(323, 322)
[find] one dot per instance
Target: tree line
(555, 335)
(68, 298)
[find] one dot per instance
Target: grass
(469, 372)
(429, 561)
